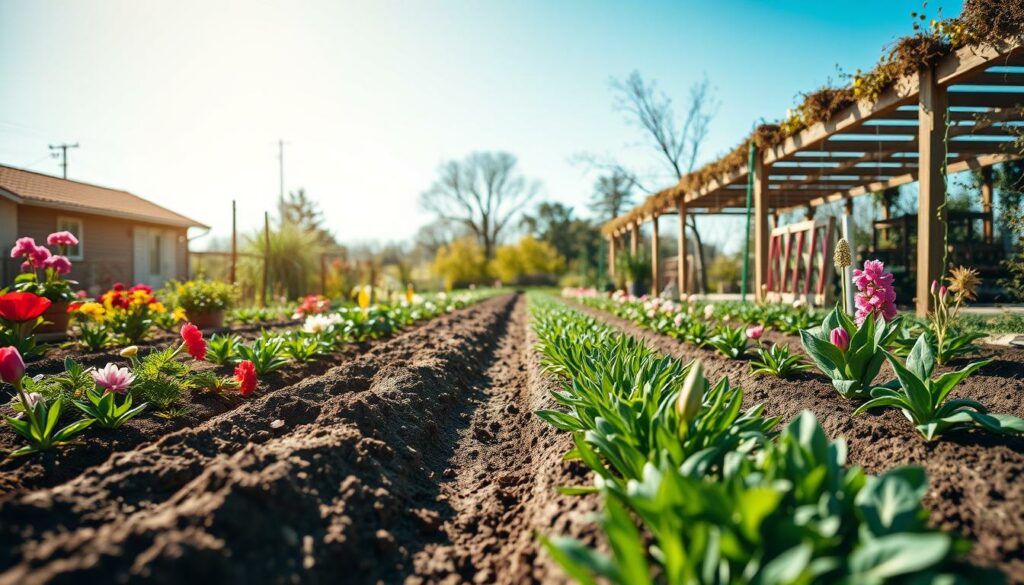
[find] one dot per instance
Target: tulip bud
(840, 338)
(935, 285)
(129, 352)
(755, 332)
(942, 292)
(691, 397)
(12, 367)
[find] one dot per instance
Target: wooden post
(234, 242)
(931, 116)
(761, 230)
(266, 259)
(655, 281)
(681, 267)
(611, 255)
(634, 243)
(809, 212)
(846, 226)
(986, 203)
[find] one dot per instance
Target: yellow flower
(409, 294)
(92, 309)
(158, 308)
(364, 297)
(179, 314)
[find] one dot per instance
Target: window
(73, 225)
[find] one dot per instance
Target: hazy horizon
(183, 103)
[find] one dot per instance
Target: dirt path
(339, 478)
(975, 486)
(501, 481)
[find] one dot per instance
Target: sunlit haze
(184, 102)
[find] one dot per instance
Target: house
(122, 237)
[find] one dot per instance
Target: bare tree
(613, 193)
(677, 140)
(483, 192)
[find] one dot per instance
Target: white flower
(320, 323)
(709, 311)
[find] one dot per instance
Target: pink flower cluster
(37, 257)
(875, 293)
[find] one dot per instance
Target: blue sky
(183, 102)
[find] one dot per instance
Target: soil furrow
(501, 483)
(337, 478)
(308, 484)
(975, 486)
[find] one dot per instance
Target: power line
(63, 148)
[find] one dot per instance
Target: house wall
(8, 234)
(107, 246)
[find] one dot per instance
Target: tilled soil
(417, 461)
(976, 479)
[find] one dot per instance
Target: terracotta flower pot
(206, 319)
(56, 319)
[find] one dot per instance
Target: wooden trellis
(800, 262)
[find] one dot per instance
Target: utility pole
(63, 148)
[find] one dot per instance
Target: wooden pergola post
(761, 229)
(612, 241)
(986, 203)
(681, 268)
(634, 242)
(655, 282)
(931, 112)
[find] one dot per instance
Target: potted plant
(204, 301)
(43, 273)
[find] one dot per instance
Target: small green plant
(211, 382)
(160, 379)
(730, 341)
(102, 407)
(850, 355)
(203, 295)
(925, 403)
(266, 353)
(699, 333)
(94, 337)
(222, 349)
(39, 427)
(779, 361)
(304, 348)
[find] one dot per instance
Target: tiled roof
(31, 188)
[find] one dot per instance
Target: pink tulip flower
(114, 379)
(840, 338)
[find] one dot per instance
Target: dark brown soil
(60, 465)
(416, 461)
(976, 478)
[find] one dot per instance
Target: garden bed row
(418, 459)
(54, 466)
(975, 486)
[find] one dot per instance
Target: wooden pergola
(899, 138)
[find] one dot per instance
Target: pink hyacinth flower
(60, 264)
(38, 256)
(62, 239)
(23, 247)
(114, 379)
(875, 292)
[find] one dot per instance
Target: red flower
(193, 338)
(117, 286)
(74, 306)
(140, 286)
(245, 375)
(22, 306)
